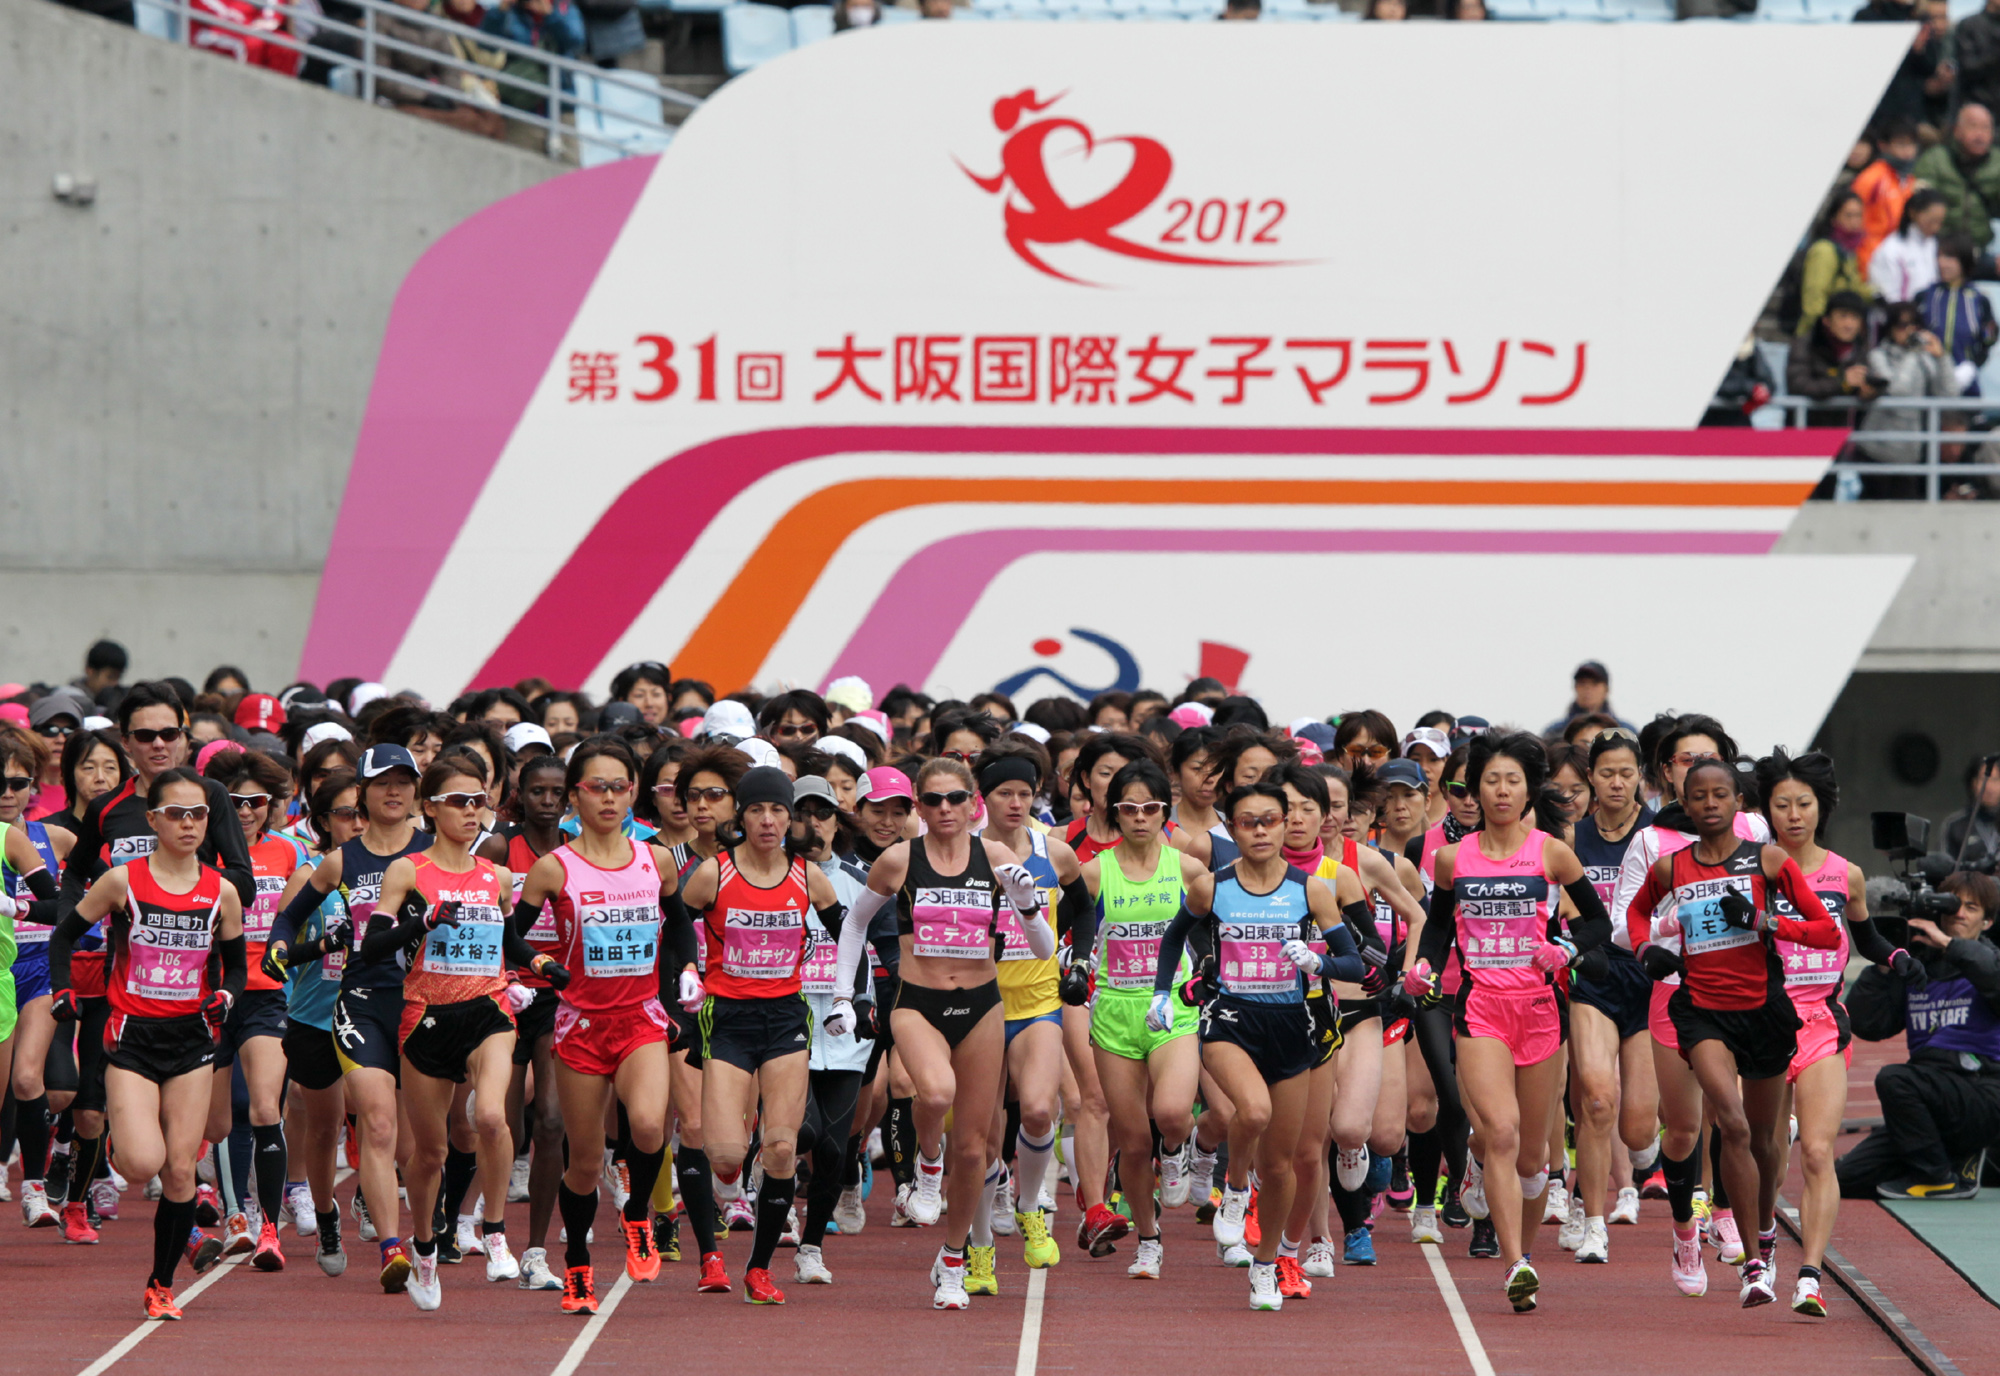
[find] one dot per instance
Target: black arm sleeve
(86, 856)
(1592, 927)
(1077, 906)
(231, 850)
(234, 952)
(1360, 917)
(1440, 926)
(295, 914)
(61, 941)
(1869, 943)
(42, 885)
(830, 917)
(1876, 1005)
(677, 932)
(515, 949)
(1344, 961)
(384, 939)
(1172, 946)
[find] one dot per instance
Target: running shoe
(331, 1256)
(790, 1237)
(852, 1214)
(1201, 1181)
(1253, 1223)
(1100, 1227)
(1146, 1263)
(1626, 1210)
(1757, 1285)
(299, 1206)
(1264, 1292)
(500, 1262)
(1522, 1283)
(203, 1251)
(517, 1181)
(725, 1190)
(1654, 1186)
(76, 1225)
(423, 1287)
(1292, 1282)
(1003, 1205)
(900, 1217)
(1555, 1202)
(737, 1216)
(104, 1198)
(467, 1237)
(1596, 1246)
(1231, 1217)
(1318, 1259)
(395, 1269)
(759, 1288)
(1038, 1249)
(982, 1276)
(1959, 1186)
(642, 1259)
(667, 1234)
(1473, 1196)
(809, 1267)
(1703, 1214)
(535, 1272)
(270, 1253)
(362, 1218)
(1452, 1213)
(1485, 1242)
(1377, 1179)
(35, 1210)
(1806, 1298)
(1424, 1226)
(714, 1278)
(449, 1253)
(160, 1302)
(1569, 1237)
(1401, 1193)
(617, 1179)
(1690, 1274)
(1234, 1254)
(207, 1206)
(237, 1237)
(579, 1294)
(926, 1199)
(1767, 1248)
(1350, 1168)
(948, 1275)
(1359, 1249)
(1728, 1242)
(1174, 1182)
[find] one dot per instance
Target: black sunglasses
(952, 799)
(146, 735)
(17, 783)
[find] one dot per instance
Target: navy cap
(1405, 772)
(1319, 733)
(378, 760)
(1590, 668)
(613, 715)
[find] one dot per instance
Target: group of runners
(1306, 983)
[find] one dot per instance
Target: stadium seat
(631, 118)
(156, 21)
(753, 33)
(810, 23)
(344, 80)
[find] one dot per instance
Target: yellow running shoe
(1038, 1249)
(980, 1277)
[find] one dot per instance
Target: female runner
(626, 950)
(1731, 1014)
(31, 848)
(164, 912)
(948, 886)
(1499, 905)
(756, 1028)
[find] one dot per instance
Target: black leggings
(823, 1137)
(1432, 1029)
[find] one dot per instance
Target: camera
(1904, 838)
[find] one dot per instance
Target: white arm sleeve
(1639, 858)
(854, 937)
(1041, 937)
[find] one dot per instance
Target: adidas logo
(799, 1037)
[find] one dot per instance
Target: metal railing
(559, 90)
(1933, 467)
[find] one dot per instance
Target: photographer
(1941, 1108)
(1909, 362)
(1981, 850)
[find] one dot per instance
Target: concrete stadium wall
(185, 362)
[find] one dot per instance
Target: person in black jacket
(1941, 1108)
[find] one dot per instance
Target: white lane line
(1468, 1336)
(579, 1349)
(1031, 1323)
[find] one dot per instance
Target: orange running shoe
(642, 1263)
(1292, 1282)
(1252, 1232)
(714, 1277)
(579, 1295)
(160, 1302)
(759, 1288)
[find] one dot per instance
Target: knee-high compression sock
(697, 1195)
(850, 1164)
(172, 1222)
(1426, 1156)
(225, 1177)
(459, 1169)
(83, 1164)
(774, 1209)
(1012, 1133)
(1031, 1168)
(1718, 1193)
(31, 1125)
(578, 1212)
(1682, 1178)
(269, 1154)
(899, 1135)
(645, 1167)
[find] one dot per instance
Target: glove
(1593, 965)
(866, 1026)
(1074, 988)
(840, 1022)
(1738, 911)
(1418, 980)
(441, 915)
(519, 996)
(691, 993)
(1021, 889)
(551, 970)
(1401, 1006)
(1376, 978)
(10, 906)
(276, 955)
(339, 935)
(1659, 963)
(215, 1008)
(1910, 970)
(63, 1007)
(1160, 1014)
(1301, 955)
(1665, 928)
(1196, 989)
(1552, 956)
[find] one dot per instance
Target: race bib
(954, 924)
(1132, 953)
(165, 955)
(126, 849)
(1252, 957)
(264, 911)
(1699, 912)
(470, 948)
(619, 941)
(816, 975)
(761, 944)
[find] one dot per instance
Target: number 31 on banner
(659, 362)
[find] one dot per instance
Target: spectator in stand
(1590, 692)
(1913, 362)
(1884, 185)
(1387, 9)
(1906, 262)
(1830, 263)
(103, 668)
(1958, 313)
(1246, 9)
(554, 26)
(425, 95)
(1832, 361)
(246, 42)
(611, 30)
(934, 9)
(468, 49)
(1977, 44)
(1468, 9)
(1921, 75)
(1980, 851)
(1965, 170)
(854, 14)
(1745, 388)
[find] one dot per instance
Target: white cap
(97, 723)
(729, 718)
(851, 692)
(363, 694)
(1030, 730)
(324, 731)
(758, 749)
(875, 721)
(523, 734)
(846, 749)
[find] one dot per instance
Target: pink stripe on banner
(914, 620)
(470, 336)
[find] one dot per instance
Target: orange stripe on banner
(737, 634)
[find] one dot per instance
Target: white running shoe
(1350, 1168)
(1174, 1178)
(809, 1267)
(1229, 1218)
(1264, 1287)
(237, 1237)
(1569, 1237)
(1626, 1210)
(467, 1235)
(423, 1286)
(900, 1218)
(618, 1180)
(877, 1153)
(950, 1283)
(726, 1190)
(1424, 1225)
(104, 1198)
(6, 1195)
(1555, 1202)
(121, 1184)
(1728, 1242)
(1146, 1265)
(851, 1213)
(35, 1210)
(926, 1201)
(500, 1263)
(535, 1272)
(1596, 1242)
(517, 1181)
(1806, 1298)
(1522, 1285)
(299, 1204)
(362, 1219)
(790, 1237)
(589, 1236)
(1757, 1285)
(737, 1212)
(1318, 1261)
(1003, 1205)
(152, 1190)
(1234, 1254)
(1690, 1275)
(1047, 1202)
(1200, 1171)
(1472, 1197)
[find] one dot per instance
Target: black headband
(1009, 769)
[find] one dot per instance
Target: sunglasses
(1616, 733)
(1152, 808)
(1684, 758)
(1262, 821)
(249, 800)
(176, 813)
(794, 733)
(706, 795)
(952, 799)
(464, 800)
(1457, 788)
(615, 788)
(663, 790)
(17, 783)
(653, 664)
(958, 755)
(1368, 752)
(53, 731)
(345, 814)
(146, 735)
(816, 810)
